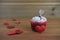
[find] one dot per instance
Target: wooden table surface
(52, 31)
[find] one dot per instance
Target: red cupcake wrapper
(40, 29)
(41, 26)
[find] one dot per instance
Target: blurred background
(23, 11)
(29, 8)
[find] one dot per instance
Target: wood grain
(52, 31)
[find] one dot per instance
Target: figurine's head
(41, 12)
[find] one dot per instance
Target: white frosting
(38, 19)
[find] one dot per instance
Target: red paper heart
(18, 22)
(14, 32)
(10, 27)
(13, 19)
(6, 23)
